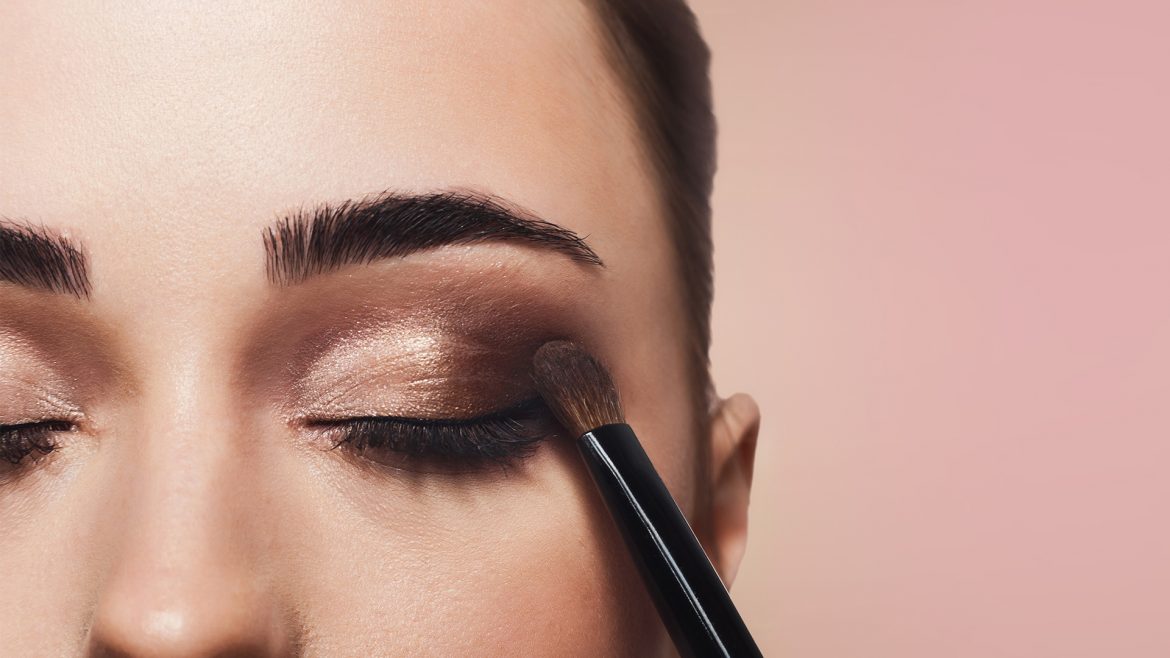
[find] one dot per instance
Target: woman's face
(193, 504)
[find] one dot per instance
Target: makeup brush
(691, 599)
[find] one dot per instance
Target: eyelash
(19, 441)
(502, 438)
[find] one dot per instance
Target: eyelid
(523, 408)
(500, 438)
(19, 440)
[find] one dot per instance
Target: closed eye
(21, 440)
(500, 438)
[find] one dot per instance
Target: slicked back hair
(659, 54)
(661, 57)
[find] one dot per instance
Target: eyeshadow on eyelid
(29, 388)
(420, 371)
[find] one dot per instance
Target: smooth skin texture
(186, 516)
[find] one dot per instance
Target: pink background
(943, 269)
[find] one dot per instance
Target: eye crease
(501, 438)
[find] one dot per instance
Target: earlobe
(734, 428)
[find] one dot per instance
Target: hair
(661, 58)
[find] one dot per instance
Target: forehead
(211, 117)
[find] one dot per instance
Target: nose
(189, 573)
(184, 623)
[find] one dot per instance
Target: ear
(734, 427)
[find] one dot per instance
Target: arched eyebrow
(388, 225)
(34, 257)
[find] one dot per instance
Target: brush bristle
(576, 387)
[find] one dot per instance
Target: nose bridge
(186, 577)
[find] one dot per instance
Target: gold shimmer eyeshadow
(442, 336)
(417, 368)
(30, 389)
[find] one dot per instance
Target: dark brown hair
(658, 51)
(661, 58)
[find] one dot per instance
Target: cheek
(527, 565)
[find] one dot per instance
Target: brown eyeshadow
(438, 337)
(59, 347)
(30, 388)
(414, 370)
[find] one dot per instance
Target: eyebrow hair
(34, 257)
(388, 225)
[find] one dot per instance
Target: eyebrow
(388, 225)
(34, 257)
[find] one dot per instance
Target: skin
(186, 515)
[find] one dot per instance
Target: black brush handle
(691, 599)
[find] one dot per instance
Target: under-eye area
(495, 440)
